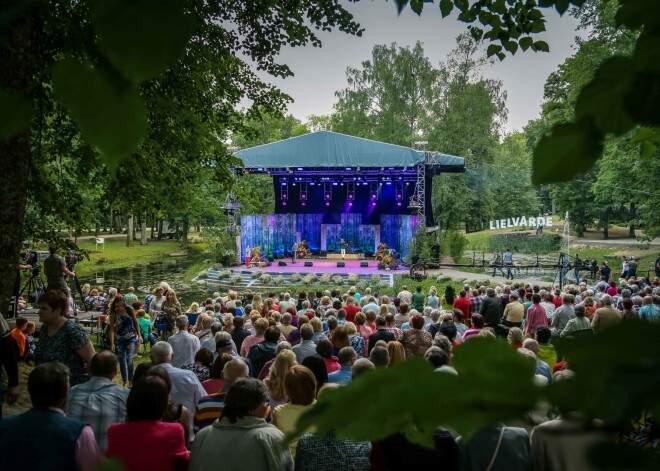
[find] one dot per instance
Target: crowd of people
(229, 377)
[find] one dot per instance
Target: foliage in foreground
(616, 379)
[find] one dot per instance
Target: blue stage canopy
(328, 149)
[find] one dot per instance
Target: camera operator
(55, 270)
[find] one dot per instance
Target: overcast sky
(319, 72)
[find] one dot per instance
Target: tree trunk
(554, 208)
(143, 230)
(153, 224)
(111, 223)
(184, 230)
(134, 228)
(129, 231)
(633, 216)
(16, 75)
(97, 230)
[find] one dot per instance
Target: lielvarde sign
(521, 222)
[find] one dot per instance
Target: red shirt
(557, 302)
(351, 310)
(165, 450)
(18, 335)
(332, 364)
(464, 305)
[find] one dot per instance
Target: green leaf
(15, 114)
(647, 53)
(462, 4)
(495, 383)
(108, 110)
(538, 26)
(142, 37)
(526, 43)
(569, 150)
(647, 149)
(561, 6)
(501, 56)
(477, 33)
(511, 46)
(446, 6)
(603, 97)
(417, 6)
(644, 134)
(493, 49)
(400, 5)
(635, 13)
(541, 46)
(642, 100)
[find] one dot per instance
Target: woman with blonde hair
(170, 310)
(383, 310)
(258, 305)
(228, 321)
(193, 309)
(397, 353)
(275, 380)
(300, 387)
(356, 341)
(432, 300)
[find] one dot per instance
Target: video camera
(32, 257)
(71, 258)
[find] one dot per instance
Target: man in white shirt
(370, 305)
(184, 345)
(186, 388)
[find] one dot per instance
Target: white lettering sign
(521, 221)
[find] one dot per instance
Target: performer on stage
(294, 257)
(248, 256)
(342, 248)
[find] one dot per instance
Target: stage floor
(321, 266)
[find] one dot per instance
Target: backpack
(147, 302)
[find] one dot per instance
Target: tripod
(35, 286)
(76, 284)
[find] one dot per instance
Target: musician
(342, 248)
(294, 257)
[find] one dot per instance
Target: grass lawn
(117, 255)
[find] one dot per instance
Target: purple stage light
(398, 196)
(327, 203)
(350, 203)
(283, 203)
(350, 197)
(373, 203)
(399, 203)
(303, 195)
(304, 204)
(373, 195)
(283, 196)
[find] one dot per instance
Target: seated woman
(145, 407)
(242, 439)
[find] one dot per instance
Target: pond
(147, 276)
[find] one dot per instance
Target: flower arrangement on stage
(303, 250)
(389, 261)
(259, 258)
(381, 251)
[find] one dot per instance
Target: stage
(321, 266)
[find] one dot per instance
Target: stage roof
(328, 149)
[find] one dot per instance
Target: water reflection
(145, 277)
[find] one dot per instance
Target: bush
(453, 243)
(362, 286)
(375, 279)
(203, 275)
(485, 282)
(525, 243)
(353, 278)
(310, 278)
(224, 274)
(295, 278)
(257, 274)
(442, 279)
(326, 278)
(235, 279)
(265, 278)
(383, 284)
(338, 280)
(278, 280)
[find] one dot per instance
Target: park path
(628, 242)
(472, 277)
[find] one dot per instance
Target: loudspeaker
(364, 264)
(323, 254)
(281, 264)
(309, 264)
(341, 264)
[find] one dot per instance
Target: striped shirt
(209, 408)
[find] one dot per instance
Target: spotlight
(398, 203)
(373, 203)
(283, 196)
(283, 203)
(327, 203)
(350, 203)
(350, 197)
(304, 204)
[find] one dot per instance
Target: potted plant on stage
(303, 250)
(381, 251)
(390, 261)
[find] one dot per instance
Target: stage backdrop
(275, 234)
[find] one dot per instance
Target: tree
(389, 98)
(99, 58)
